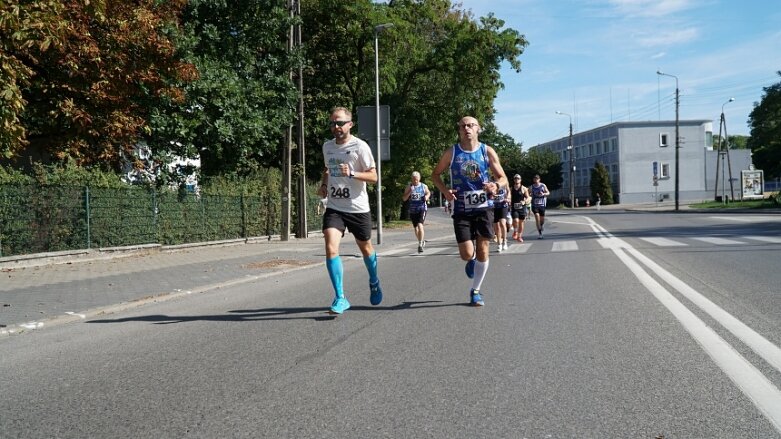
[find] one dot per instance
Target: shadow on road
(250, 315)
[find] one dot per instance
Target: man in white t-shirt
(349, 165)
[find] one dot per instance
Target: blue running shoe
(340, 305)
(376, 293)
(470, 268)
(475, 299)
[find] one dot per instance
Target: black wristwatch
(352, 174)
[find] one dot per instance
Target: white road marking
(518, 248)
(71, 313)
(773, 239)
(664, 242)
(394, 251)
(761, 391)
(718, 241)
(564, 246)
(434, 251)
(747, 218)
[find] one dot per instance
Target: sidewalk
(48, 289)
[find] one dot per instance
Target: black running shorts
(359, 224)
(418, 217)
(470, 226)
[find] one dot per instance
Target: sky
(596, 60)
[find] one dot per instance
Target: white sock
(481, 268)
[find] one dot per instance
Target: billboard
(752, 184)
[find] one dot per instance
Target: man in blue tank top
(471, 194)
(418, 194)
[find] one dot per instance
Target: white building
(633, 151)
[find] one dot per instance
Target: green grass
(744, 204)
(397, 224)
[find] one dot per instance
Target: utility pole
(722, 151)
(677, 139)
(301, 230)
(377, 30)
(571, 152)
(287, 157)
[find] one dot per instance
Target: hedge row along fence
(38, 218)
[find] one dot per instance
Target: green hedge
(43, 213)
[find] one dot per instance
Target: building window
(663, 139)
(709, 139)
(665, 171)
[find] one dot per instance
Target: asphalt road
(600, 330)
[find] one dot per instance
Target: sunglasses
(338, 123)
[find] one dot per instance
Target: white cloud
(651, 8)
(668, 38)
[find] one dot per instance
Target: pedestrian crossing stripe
(772, 239)
(717, 240)
(564, 246)
(664, 242)
(519, 248)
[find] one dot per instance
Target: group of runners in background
(479, 196)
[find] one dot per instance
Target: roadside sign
(752, 184)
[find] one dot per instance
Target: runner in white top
(349, 165)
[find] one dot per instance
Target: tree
(235, 114)
(88, 85)
(765, 123)
(437, 64)
(509, 151)
(544, 162)
(600, 184)
(24, 30)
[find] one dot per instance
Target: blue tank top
(500, 199)
(417, 195)
(538, 199)
(468, 174)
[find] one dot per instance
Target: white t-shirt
(347, 194)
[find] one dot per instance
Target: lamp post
(677, 137)
(571, 149)
(377, 29)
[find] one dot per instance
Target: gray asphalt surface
(253, 354)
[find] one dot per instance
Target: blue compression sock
(335, 272)
(371, 265)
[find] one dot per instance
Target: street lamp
(377, 29)
(677, 137)
(571, 150)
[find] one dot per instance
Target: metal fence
(35, 219)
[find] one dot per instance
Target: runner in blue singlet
(417, 193)
(539, 194)
(471, 194)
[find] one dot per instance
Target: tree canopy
(92, 80)
(765, 123)
(89, 73)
